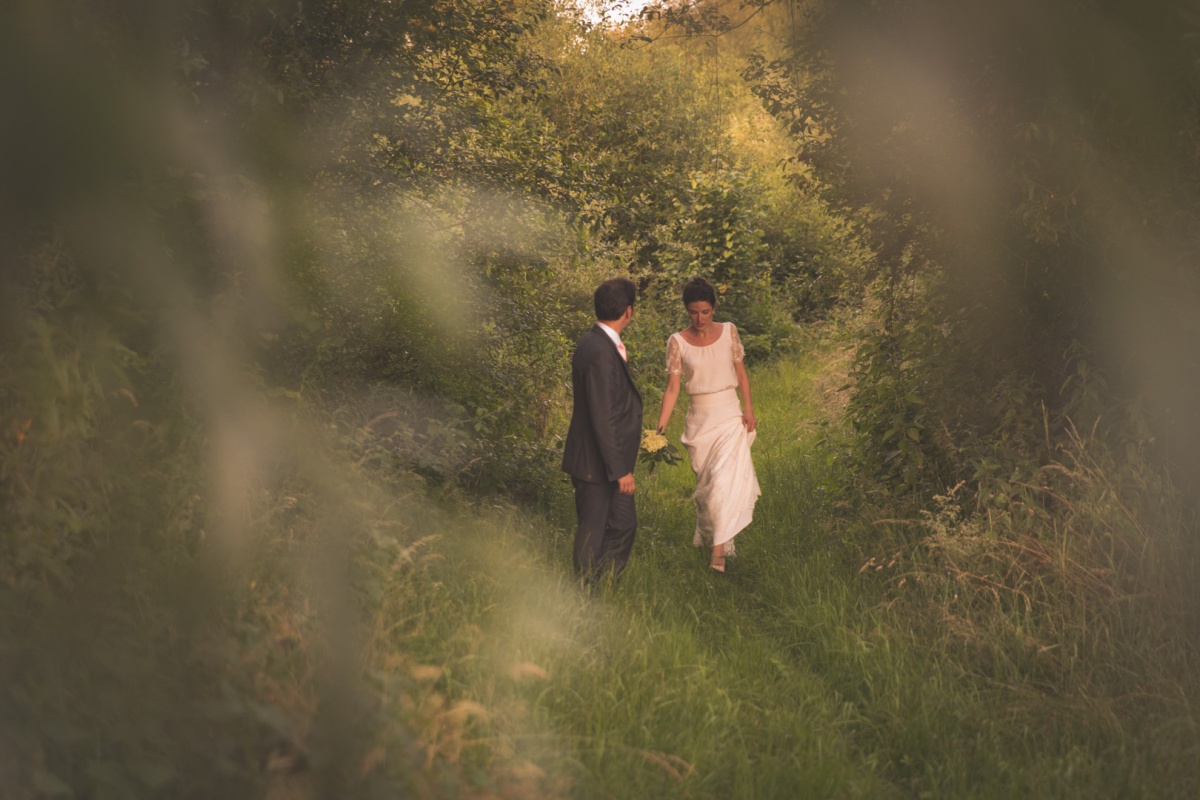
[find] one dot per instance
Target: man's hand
(625, 484)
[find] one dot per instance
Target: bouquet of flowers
(655, 449)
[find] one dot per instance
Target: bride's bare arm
(674, 381)
(748, 418)
(670, 395)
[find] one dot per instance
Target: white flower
(652, 441)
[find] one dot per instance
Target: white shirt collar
(616, 337)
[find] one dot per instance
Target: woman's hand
(750, 421)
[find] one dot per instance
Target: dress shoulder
(674, 356)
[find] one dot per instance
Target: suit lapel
(613, 346)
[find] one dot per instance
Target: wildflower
(653, 441)
(655, 449)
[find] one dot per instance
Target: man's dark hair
(612, 298)
(698, 289)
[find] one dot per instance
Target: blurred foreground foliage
(1026, 176)
(277, 274)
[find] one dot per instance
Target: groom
(602, 442)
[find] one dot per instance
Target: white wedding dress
(715, 437)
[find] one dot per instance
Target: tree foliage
(255, 248)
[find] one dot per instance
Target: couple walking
(606, 428)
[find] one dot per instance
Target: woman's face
(700, 313)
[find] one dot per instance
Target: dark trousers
(607, 526)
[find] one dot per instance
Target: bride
(719, 429)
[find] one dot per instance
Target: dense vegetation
(286, 310)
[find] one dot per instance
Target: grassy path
(787, 679)
(719, 669)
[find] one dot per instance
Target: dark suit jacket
(606, 420)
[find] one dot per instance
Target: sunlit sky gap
(614, 11)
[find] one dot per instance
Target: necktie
(621, 350)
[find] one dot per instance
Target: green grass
(840, 659)
(795, 676)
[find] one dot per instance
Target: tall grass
(385, 639)
(841, 658)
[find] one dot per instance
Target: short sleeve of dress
(674, 357)
(739, 352)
